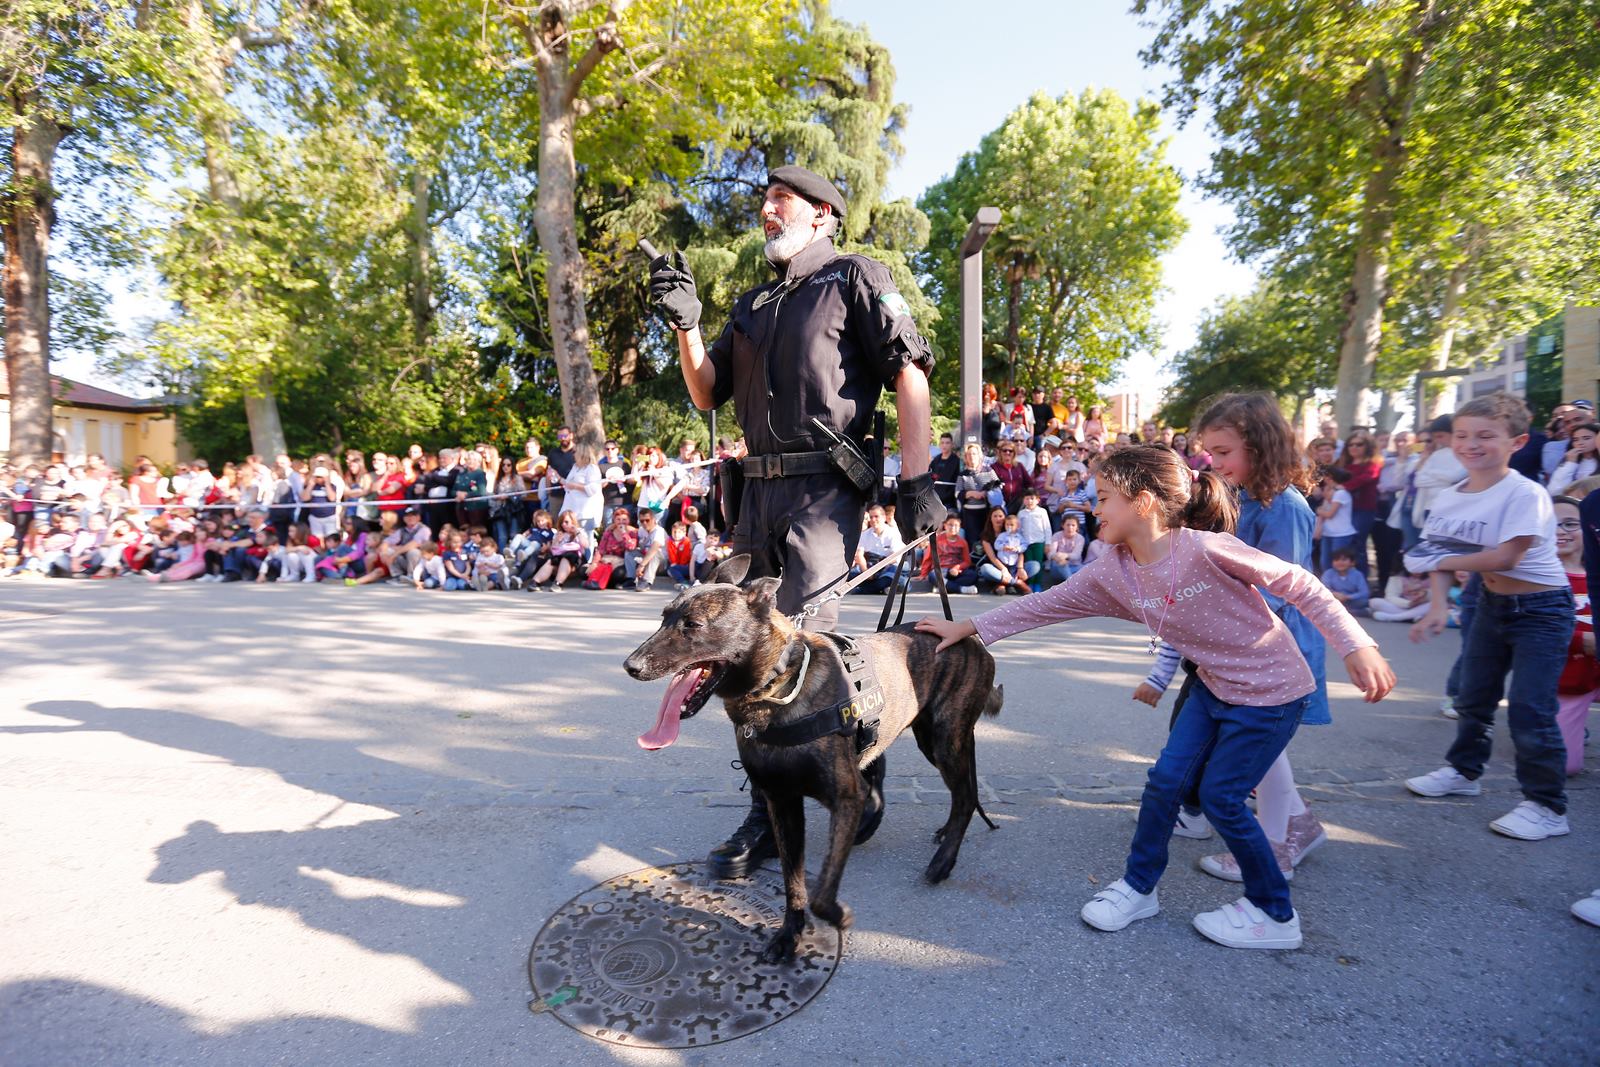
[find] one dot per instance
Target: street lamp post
(983, 224)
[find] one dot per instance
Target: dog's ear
(762, 592)
(730, 571)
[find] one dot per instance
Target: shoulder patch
(895, 304)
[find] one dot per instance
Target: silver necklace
(1155, 631)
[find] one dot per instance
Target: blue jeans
(1227, 748)
(453, 583)
(1063, 571)
(1524, 635)
(1467, 607)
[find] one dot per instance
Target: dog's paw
(781, 948)
(940, 868)
(938, 836)
(833, 912)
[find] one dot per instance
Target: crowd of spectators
(455, 519)
(1021, 510)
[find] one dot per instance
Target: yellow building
(1580, 356)
(85, 419)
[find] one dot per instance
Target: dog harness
(857, 714)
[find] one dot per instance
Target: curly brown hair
(1275, 463)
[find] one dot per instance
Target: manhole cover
(667, 957)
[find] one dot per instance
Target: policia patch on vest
(895, 304)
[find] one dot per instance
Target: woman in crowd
(1581, 460)
(568, 550)
(1364, 464)
(1095, 425)
(973, 488)
(505, 511)
(585, 498)
(992, 417)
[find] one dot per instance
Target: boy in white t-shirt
(1502, 526)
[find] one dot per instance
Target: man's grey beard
(784, 247)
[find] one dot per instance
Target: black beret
(811, 185)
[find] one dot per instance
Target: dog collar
(800, 680)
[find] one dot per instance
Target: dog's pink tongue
(666, 728)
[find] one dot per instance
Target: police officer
(821, 342)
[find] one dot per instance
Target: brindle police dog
(729, 639)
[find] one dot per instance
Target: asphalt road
(252, 825)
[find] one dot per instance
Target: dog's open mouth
(687, 693)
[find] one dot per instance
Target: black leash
(904, 588)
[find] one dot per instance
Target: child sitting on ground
(489, 569)
(1066, 550)
(457, 570)
(680, 555)
(954, 558)
(1407, 599)
(1348, 585)
(429, 571)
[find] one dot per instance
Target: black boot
(872, 814)
(751, 844)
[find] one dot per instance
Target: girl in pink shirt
(1196, 591)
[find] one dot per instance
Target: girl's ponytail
(1212, 507)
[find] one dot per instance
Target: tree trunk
(627, 368)
(260, 403)
(420, 234)
(1439, 393)
(1387, 416)
(555, 219)
(1389, 109)
(27, 213)
(1369, 289)
(1013, 322)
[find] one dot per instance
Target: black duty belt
(857, 714)
(787, 464)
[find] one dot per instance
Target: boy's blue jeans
(1525, 635)
(1227, 748)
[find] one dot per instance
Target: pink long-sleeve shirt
(1216, 617)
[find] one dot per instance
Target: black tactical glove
(672, 290)
(918, 509)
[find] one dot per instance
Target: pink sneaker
(1224, 866)
(1306, 835)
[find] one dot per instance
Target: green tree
(1275, 339)
(621, 83)
(87, 75)
(1324, 110)
(1089, 205)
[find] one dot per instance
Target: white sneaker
(1588, 909)
(1529, 821)
(1243, 925)
(1117, 905)
(310, 579)
(1447, 708)
(1196, 827)
(1444, 782)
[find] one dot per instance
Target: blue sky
(962, 76)
(963, 67)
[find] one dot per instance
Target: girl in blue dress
(1253, 449)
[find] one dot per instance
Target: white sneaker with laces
(1196, 827)
(1444, 782)
(1447, 708)
(1117, 905)
(1529, 821)
(1243, 925)
(1588, 909)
